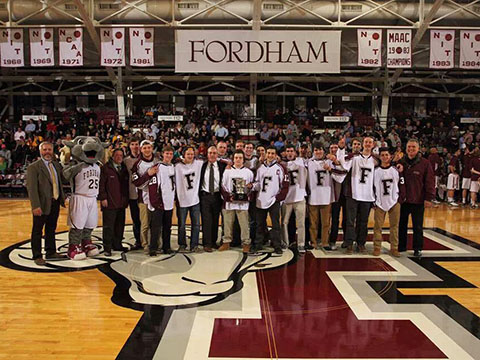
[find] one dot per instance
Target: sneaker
(146, 250)
(376, 252)
(417, 253)
(107, 253)
(308, 247)
(75, 252)
(278, 251)
(182, 249)
(330, 247)
(246, 249)
(436, 202)
(361, 249)
(453, 204)
(256, 249)
(197, 250)
(224, 247)
(349, 250)
(301, 249)
(474, 206)
(344, 245)
(89, 249)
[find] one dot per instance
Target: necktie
(211, 181)
(54, 180)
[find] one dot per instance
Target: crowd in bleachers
(203, 127)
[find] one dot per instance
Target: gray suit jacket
(40, 188)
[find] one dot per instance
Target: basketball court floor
(233, 306)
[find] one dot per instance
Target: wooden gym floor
(70, 315)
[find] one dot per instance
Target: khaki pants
(299, 209)
(325, 215)
(144, 224)
(394, 218)
(228, 220)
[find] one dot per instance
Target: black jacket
(221, 167)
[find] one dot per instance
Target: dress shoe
(40, 261)
(246, 249)
(376, 252)
(107, 253)
(361, 249)
(207, 249)
(349, 250)
(168, 251)
(395, 253)
(224, 247)
(55, 256)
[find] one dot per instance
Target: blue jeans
(195, 219)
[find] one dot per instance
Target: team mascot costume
(83, 172)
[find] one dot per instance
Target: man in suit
(44, 185)
(113, 195)
(210, 197)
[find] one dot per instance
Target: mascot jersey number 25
(83, 173)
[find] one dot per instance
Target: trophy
(239, 189)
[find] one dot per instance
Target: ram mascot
(83, 172)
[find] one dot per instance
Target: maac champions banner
(70, 47)
(41, 47)
(238, 51)
(11, 47)
(442, 44)
(470, 49)
(113, 46)
(399, 48)
(141, 47)
(369, 47)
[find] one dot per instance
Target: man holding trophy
(236, 184)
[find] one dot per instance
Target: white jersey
(362, 172)
(320, 182)
(165, 178)
(139, 169)
(269, 183)
(187, 181)
(86, 181)
(297, 174)
(229, 180)
(387, 189)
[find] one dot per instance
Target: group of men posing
(248, 187)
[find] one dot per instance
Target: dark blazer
(114, 186)
(221, 167)
(40, 187)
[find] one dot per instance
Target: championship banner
(70, 46)
(399, 49)
(141, 47)
(369, 47)
(470, 49)
(442, 43)
(11, 48)
(112, 42)
(41, 47)
(240, 51)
